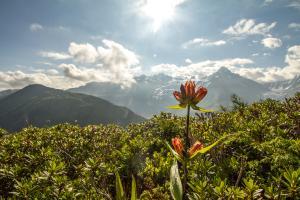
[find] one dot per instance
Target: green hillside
(260, 159)
(42, 106)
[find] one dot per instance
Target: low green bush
(260, 159)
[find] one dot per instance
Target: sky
(68, 43)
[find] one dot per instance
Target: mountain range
(151, 94)
(41, 106)
(281, 89)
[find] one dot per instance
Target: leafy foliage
(175, 182)
(259, 160)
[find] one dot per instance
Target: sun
(160, 11)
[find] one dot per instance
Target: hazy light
(160, 11)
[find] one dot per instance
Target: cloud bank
(245, 27)
(240, 66)
(202, 42)
(114, 63)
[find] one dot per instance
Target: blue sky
(66, 43)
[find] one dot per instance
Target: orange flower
(189, 94)
(196, 146)
(178, 146)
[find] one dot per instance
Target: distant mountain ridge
(281, 89)
(147, 97)
(42, 106)
(151, 94)
(223, 83)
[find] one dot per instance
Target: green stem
(187, 140)
(187, 146)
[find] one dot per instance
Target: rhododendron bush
(248, 152)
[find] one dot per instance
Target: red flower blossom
(189, 94)
(196, 146)
(178, 146)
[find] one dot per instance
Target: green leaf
(177, 107)
(200, 109)
(206, 149)
(133, 189)
(120, 195)
(176, 155)
(175, 182)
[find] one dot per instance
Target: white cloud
(55, 55)
(114, 63)
(271, 42)
(237, 65)
(200, 69)
(45, 71)
(188, 61)
(294, 4)
(85, 75)
(293, 58)
(295, 26)
(52, 72)
(111, 62)
(120, 62)
(83, 53)
(35, 27)
(51, 78)
(19, 79)
(267, 2)
(44, 63)
(262, 54)
(203, 42)
(115, 54)
(259, 74)
(275, 73)
(74, 76)
(73, 72)
(268, 74)
(245, 27)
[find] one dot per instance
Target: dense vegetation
(259, 160)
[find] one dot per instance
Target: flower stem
(187, 146)
(187, 140)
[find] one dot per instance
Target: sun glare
(160, 11)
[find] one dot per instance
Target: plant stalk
(240, 172)
(187, 140)
(187, 146)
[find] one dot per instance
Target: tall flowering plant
(188, 97)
